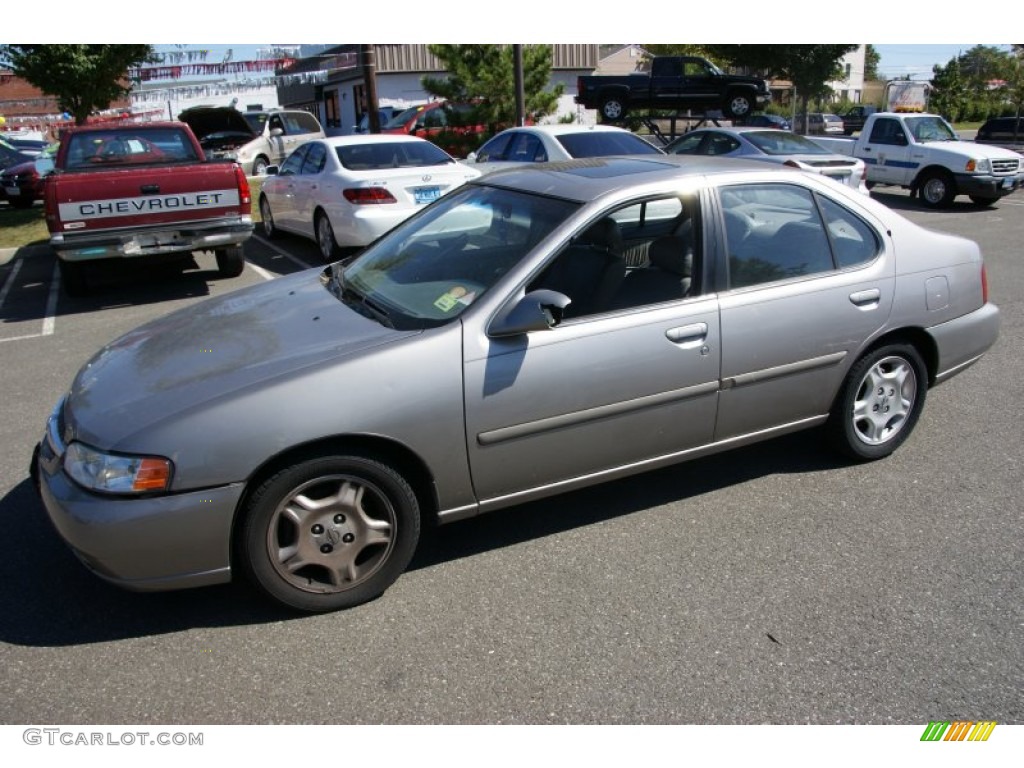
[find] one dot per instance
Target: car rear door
(805, 280)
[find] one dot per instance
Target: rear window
(129, 146)
(397, 154)
(784, 143)
(603, 144)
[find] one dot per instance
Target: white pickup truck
(923, 153)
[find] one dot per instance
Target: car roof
(560, 129)
(372, 138)
(588, 179)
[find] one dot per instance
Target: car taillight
(984, 284)
(369, 196)
(244, 194)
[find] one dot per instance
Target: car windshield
(399, 120)
(256, 121)
(784, 143)
(393, 154)
(931, 128)
(433, 266)
(604, 144)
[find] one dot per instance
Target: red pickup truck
(143, 191)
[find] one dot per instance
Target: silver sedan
(773, 146)
(534, 331)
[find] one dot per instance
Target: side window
(275, 122)
(594, 272)
(853, 241)
(525, 149)
(316, 157)
(293, 164)
(494, 149)
(306, 123)
(773, 232)
(690, 145)
(720, 144)
(888, 131)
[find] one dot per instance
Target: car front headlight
(979, 166)
(110, 473)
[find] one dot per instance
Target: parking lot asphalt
(773, 584)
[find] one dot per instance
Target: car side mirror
(44, 165)
(539, 310)
(277, 132)
(471, 157)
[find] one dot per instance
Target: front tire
(259, 166)
(937, 189)
(879, 403)
(738, 106)
(330, 532)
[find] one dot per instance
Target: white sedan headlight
(108, 473)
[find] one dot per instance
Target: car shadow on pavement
(900, 200)
(49, 599)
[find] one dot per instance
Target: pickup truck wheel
(269, 229)
(613, 109)
(325, 237)
(230, 261)
(259, 166)
(73, 277)
(329, 532)
(937, 189)
(984, 202)
(738, 106)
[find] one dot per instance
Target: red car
(442, 123)
(21, 184)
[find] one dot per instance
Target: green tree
(484, 76)
(872, 58)
(83, 78)
(809, 67)
(976, 84)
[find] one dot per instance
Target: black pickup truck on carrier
(674, 82)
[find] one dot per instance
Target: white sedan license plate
(424, 195)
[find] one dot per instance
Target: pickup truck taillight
(368, 196)
(244, 193)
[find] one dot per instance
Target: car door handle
(688, 335)
(866, 299)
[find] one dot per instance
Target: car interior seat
(590, 270)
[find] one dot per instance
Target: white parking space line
(50, 318)
(275, 249)
(260, 271)
(10, 281)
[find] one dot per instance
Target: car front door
(308, 185)
(627, 383)
(285, 187)
(887, 152)
(806, 280)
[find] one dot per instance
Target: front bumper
(982, 185)
(143, 543)
(153, 241)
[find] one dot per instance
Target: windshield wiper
(363, 304)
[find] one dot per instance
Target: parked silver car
(536, 330)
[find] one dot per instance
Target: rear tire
(738, 106)
(325, 237)
(230, 261)
(613, 109)
(879, 403)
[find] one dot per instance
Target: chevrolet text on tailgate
(143, 191)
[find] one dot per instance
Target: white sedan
(773, 146)
(553, 143)
(346, 191)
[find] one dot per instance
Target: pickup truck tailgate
(143, 196)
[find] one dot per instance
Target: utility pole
(517, 66)
(370, 80)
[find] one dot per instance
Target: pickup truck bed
(143, 191)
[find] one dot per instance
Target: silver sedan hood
(212, 350)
